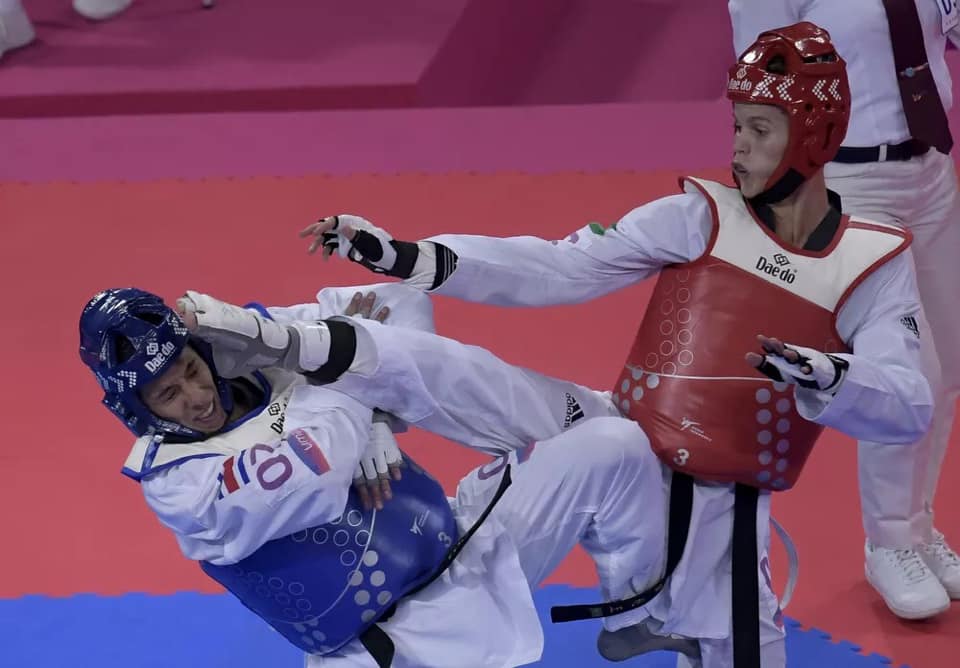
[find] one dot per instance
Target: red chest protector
(706, 411)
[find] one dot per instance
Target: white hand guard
(244, 341)
(381, 452)
(370, 247)
(826, 372)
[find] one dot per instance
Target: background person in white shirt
(16, 29)
(885, 174)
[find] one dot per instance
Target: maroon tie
(926, 117)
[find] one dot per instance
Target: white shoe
(15, 29)
(100, 10)
(906, 583)
(944, 563)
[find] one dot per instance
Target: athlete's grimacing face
(760, 137)
(186, 394)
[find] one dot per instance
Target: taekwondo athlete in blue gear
(323, 568)
(263, 498)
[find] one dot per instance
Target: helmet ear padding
(798, 70)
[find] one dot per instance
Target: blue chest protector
(323, 587)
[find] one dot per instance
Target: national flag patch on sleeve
(233, 476)
(308, 451)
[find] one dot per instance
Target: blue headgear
(157, 336)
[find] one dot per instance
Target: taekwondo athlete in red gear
(773, 258)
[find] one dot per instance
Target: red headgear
(809, 83)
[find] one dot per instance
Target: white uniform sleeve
(884, 397)
(749, 18)
(408, 306)
(273, 490)
(461, 392)
(591, 262)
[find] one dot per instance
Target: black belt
(745, 583)
(859, 154)
(681, 509)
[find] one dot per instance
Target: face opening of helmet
(761, 136)
(184, 393)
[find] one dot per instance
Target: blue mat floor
(189, 629)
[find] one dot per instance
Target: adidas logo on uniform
(910, 323)
(574, 412)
